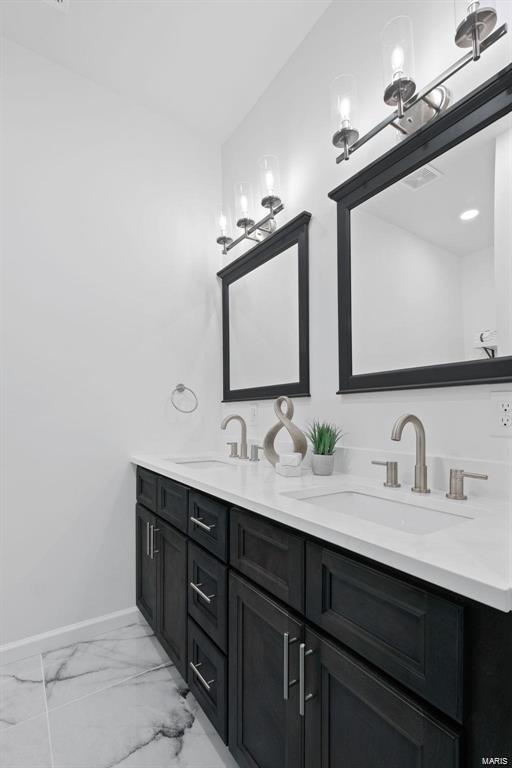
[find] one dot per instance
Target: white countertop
(471, 558)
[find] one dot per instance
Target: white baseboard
(72, 633)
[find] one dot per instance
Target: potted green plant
(324, 437)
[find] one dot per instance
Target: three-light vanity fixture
(475, 29)
(244, 207)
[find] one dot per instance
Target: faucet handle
(457, 483)
(234, 449)
(255, 452)
(391, 473)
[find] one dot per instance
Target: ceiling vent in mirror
(60, 5)
(421, 177)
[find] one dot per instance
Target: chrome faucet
(243, 439)
(420, 470)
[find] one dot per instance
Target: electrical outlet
(501, 414)
(253, 415)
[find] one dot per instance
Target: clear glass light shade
(343, 93)
(223, 224)
(469, 15)
(244, 201)
(397, 50)
(269, 176)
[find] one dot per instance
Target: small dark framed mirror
(265, 317)
(425, 253)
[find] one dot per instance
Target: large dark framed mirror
(425, 253)
(265, 317)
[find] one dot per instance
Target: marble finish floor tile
(87, 667)
(26, 745)
(21, 691)
(145, 722)
(114, 702)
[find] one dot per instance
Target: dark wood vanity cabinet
(304, 655)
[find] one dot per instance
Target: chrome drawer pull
(303, 697)
(286, 664)
(207, 598)
(147, 539)
(195, 669)
(197, 521)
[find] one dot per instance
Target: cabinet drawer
(146, 488)
(414, 636)
(207, 677)
(207, 523)
(207, 594)
(269, 555)
(172, 501)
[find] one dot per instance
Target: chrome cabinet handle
(153, 550)
(147, 539)
(303, 697)
(207, 685)
(207, 598)
(197, 521)
(286, 664)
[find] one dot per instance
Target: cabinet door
(265, 728)
(354, 719)
(146, 585)
(170, 553)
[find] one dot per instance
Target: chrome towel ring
(179, 389)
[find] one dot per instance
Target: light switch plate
(501, 414)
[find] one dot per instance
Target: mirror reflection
(264, 323)
(431, 261)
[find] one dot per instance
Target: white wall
(406, 298)
(292, 120)
(109, 298)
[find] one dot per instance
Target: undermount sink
(393, 513)
(202, 463)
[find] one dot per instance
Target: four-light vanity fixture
(475, 29)
(244, 207)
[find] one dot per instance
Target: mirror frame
(483, 106)
(295, 232)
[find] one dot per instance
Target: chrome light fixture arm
(423, 94)
(265, 225)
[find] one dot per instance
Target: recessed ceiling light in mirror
(470, 214)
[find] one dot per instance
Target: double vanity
(338, 621)
(329, 621)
